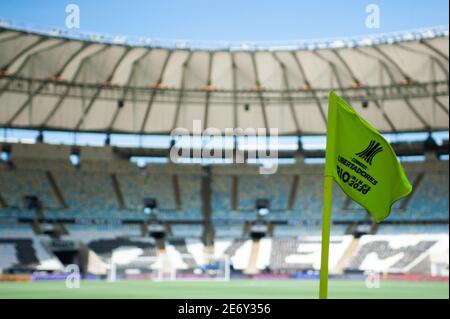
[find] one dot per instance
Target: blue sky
(231, 20)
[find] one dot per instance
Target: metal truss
(229, 97)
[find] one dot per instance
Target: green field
(231, 289)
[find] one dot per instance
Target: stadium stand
(17, 212)
(413, 229)
(191, 202)
(87, 233)
(430, 199)
(97, 205)
(290, 254)
(186, 231)
(141, 185)
(275, 188)
(90, 193)
(17, 183)
(393, 253)
(178, 250)
(22, 250)
(105, 247)
(221, 195)
(87, 193)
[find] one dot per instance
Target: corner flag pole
(327, 196)
(326, 221)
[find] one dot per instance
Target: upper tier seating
(87, 233)
(430, 199)
(17, 183)
(89, 193)
(276, 188)
(392, 252)
(137, 186)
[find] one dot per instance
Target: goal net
(165, 267)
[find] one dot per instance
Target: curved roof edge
(310, 44)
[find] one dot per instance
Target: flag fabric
(362, 162)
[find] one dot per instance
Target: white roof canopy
(55, 83)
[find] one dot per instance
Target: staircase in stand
(349, 252)
(252, 265)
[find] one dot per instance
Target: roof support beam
(405, 99)
(154, 92)
(181, 91)
(40, 87)
(71, 58)
(333, 68)
(407, 77)
(287, 88)
(99, 89)
(306, 82)
(30, 56)
(127, 87)
(439, 103)
(383, 113)
(12, 37)
(308, 85)
(432, 48)
(356, 80)
(16, 58)
(259, 90)
(439, 63)
(66, 92)
(418, 116)
(382, 63)
(346, 66)
(395, 64)
(432, 57)
(234, 85)
(208, 90)
(23, 52)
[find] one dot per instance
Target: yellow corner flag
(363, 164)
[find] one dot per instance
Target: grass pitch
(232, 289)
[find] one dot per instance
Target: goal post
(142, 267)
(166, 268)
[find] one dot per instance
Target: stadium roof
(52, 81)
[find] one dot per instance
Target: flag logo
(370, 151)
